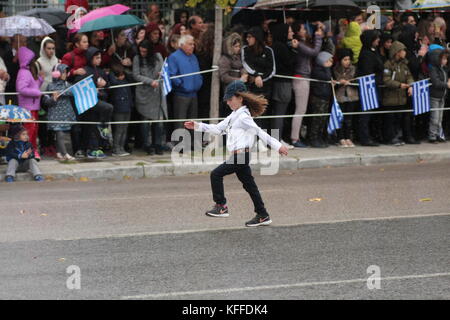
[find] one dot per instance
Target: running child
(241, 130)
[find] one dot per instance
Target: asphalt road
(150, 239)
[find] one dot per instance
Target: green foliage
(226, 4)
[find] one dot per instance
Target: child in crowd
(20, 155)
(122, 100)
(320, 98)
(440, 83)
(60, 109)
(346, 95)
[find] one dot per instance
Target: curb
(154, 170)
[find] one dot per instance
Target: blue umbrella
(427, 4)
(14, 113)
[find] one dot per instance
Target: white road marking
(156, 233)
(280, 286)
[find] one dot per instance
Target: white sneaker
(68, 157)
(287, 145)
(59, 156)
(261, 146)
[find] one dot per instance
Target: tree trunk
(215, 81)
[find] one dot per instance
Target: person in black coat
(259, 62)
(321, 94)
(369, 62)
(285, 57)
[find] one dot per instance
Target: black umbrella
(323, 9)
(53, 16)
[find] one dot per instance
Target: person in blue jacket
(184, 61)
(20, 155)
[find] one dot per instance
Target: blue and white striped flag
(421, 97)
(368, 92)
(85, 94)
(336, 117)
(167, 85)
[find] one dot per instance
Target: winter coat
(45, 64)
(61, 109)
(305, 55)
(320, 89)
(407, 37)
(285, 55)
(150, 102)
(180, 63)
(438, 75)
(16, 148)
(75, 59)
(96, 73)
(352, 40)
(230, 65)
(345, 93)
(121, 98)
(27, 87)
(370, 61)
(395, 73)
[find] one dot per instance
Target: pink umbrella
(99, 13)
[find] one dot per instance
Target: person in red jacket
(78, 3)
(76, 59)
(154, 35)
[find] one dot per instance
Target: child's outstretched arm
(211, 128)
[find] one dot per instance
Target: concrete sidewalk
(140, 165)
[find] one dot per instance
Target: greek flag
(336, 117)
(421, 97)
(368, 92)
(167, 85)
(85, 94)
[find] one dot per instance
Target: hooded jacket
(284, 54)
(305, 55)
(370, 61)
(352, 40)
(158, 47)
(230, 64)
(96, 72)
(438, 75)
(395, 73)
(180, 63)
(45, 64)
(407, 37)
(27, 87)
(262, 64)
(16, 148)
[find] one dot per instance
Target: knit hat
(323, 57)
(233, 88)
(16, 131)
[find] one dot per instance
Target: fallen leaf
(315, 199)
(84, 179)
(382, 169)
(425, 200)
(62, 259)
(44, 214)
(22, 211)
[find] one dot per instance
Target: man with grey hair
(184, 61)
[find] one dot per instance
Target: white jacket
(240, 129)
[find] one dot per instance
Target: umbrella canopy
(26, 26)
(14, 113)
(113, 10)
(430, 4)
(112, 22)
(334, 8)
(53, 16)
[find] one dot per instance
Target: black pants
(346, 132)
(396, 122)
(101, 112)
(238, 164)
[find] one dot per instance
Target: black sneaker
(218, 211)
(259, 221)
